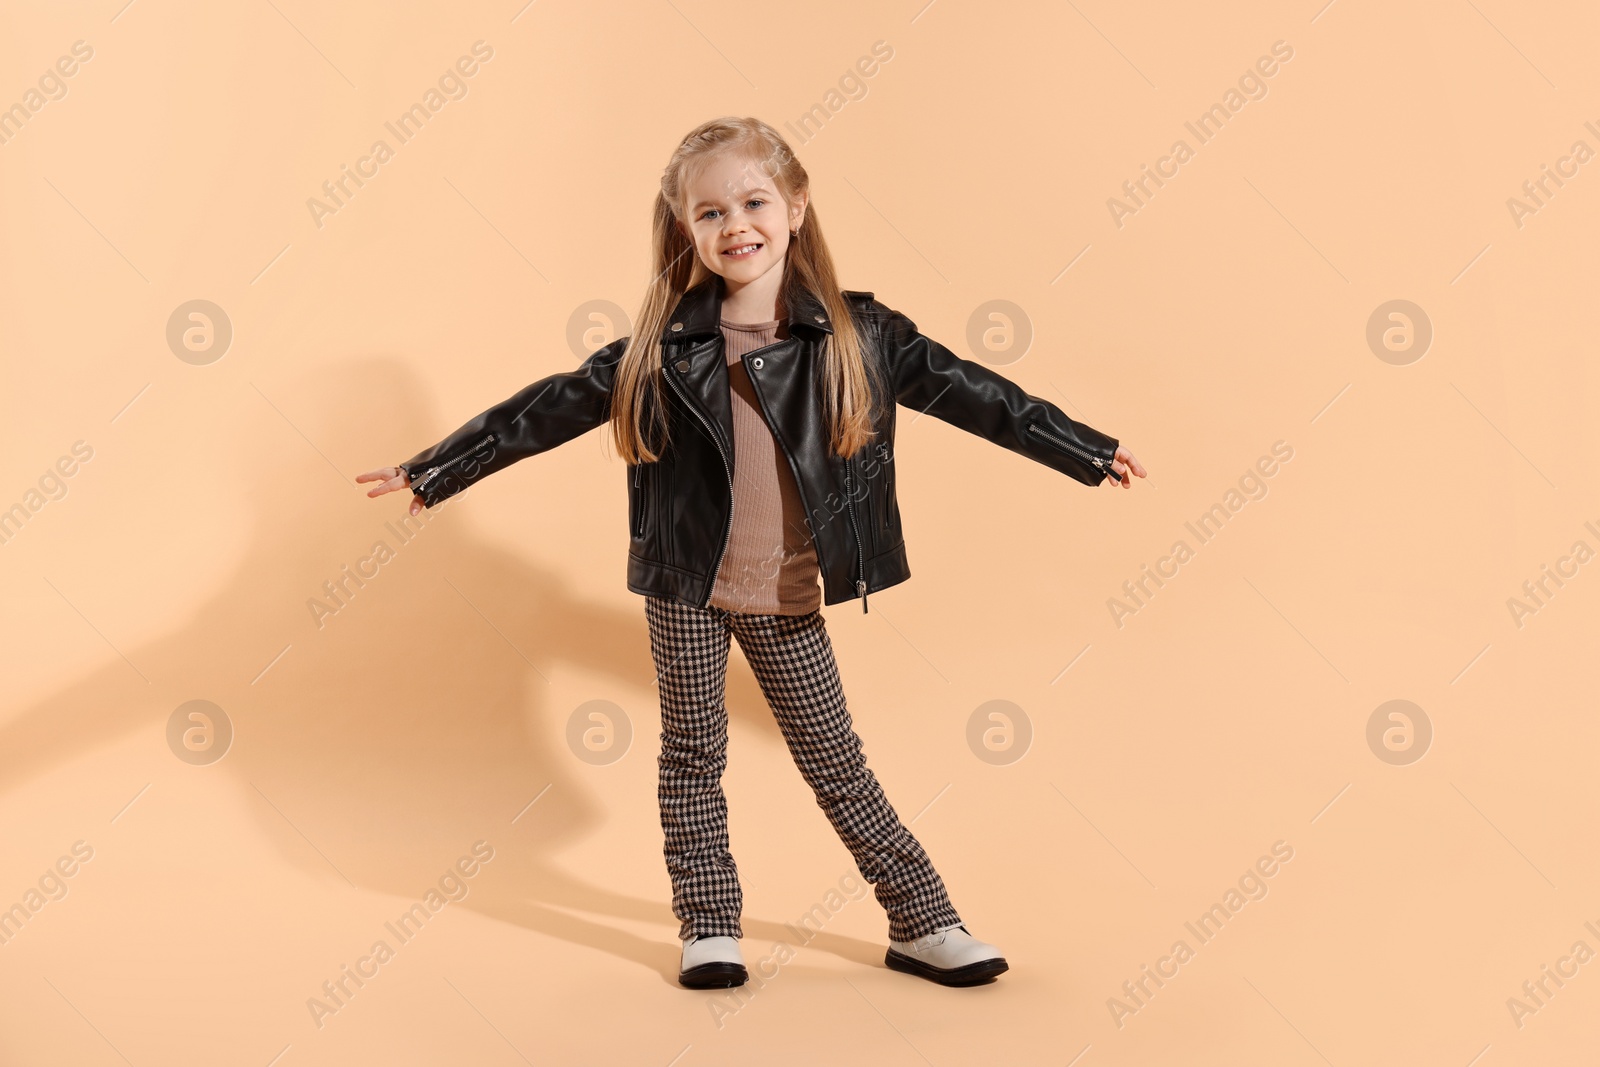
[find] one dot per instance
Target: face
(733, 204)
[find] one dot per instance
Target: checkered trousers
(793, 661)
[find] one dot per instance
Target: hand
(394, 479)
(1128, 463)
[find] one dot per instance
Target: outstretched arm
(929, 377)
(550, 412)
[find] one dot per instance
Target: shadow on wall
(407, 727)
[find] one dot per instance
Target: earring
(794, 235)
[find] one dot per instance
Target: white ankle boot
(712, 963)
(950, 956)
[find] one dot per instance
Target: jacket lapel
(693, 345)
(699, 313)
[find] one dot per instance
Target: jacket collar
(699, 312)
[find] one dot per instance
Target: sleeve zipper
(433, 471)
(1101, 465)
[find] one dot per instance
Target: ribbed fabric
(770, 567)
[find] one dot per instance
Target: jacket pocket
(639, 501)
(886, 461)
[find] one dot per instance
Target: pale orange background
(1230, 713)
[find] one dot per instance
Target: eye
(753, 200)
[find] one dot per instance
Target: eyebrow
(749, 192)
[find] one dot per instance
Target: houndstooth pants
(794, 663)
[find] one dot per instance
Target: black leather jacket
(680, 509)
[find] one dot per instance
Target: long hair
(677, 268)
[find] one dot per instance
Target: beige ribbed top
(770, 567)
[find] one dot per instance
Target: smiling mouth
(743, 250)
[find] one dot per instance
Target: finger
(393, 485)
(386, 477)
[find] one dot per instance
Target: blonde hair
(677, 268)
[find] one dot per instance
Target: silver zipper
(711, 585)
(1099, 464)
(431, 472)
(795, 467)
(638, 474)
(861, 565)
(888, 482)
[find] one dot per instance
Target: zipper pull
(861, 587)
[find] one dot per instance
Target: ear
(797, 211)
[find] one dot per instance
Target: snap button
(683, 366)
(677, 326)
(756, 363)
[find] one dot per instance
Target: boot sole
(714, 976)
(971, 974)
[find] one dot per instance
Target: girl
(744, 405)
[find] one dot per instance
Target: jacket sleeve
(550, 412)
(929, 377)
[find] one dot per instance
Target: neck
(753, 301)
